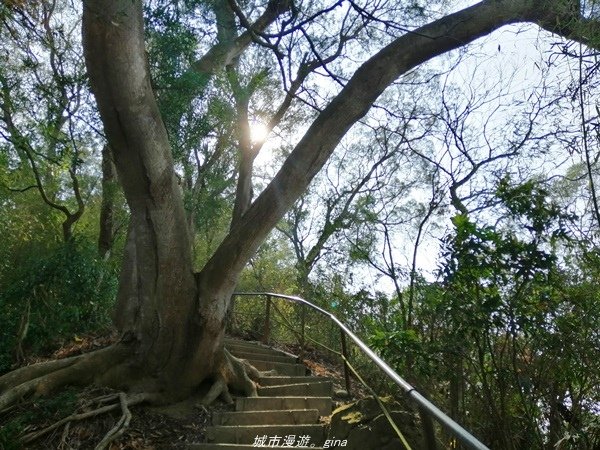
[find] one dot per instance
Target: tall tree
(43, 95)
(171, 319)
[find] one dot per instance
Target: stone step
(274, 435)
(259, 351)
(278, 380)
(264, 356)
(275, 417)
(251, 348)
(289, 408)
(322, 404)
(240, 343)
(215, 446)
(321, 389)
(280, 368)
(252, 344)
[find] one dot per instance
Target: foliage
(41, 410)
(48, 125)
(52, 292)
(508, 335)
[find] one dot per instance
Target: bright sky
(511, 58)
(512, 61)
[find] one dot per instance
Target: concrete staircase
(285, 413)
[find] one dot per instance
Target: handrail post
(267, 329)
(428, 430)
(302, 328)
(346, 368)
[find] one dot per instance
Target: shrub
(58, 291)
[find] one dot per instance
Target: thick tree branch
(224, 53)
(246, 149)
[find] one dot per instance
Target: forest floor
(168, 427)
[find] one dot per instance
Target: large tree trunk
(158, 300)
(173, 326)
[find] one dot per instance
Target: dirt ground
(149, 428)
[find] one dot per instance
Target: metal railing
(427, 409)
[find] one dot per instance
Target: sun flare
(258, 132)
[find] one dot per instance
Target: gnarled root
(232, 373)
(124, 402)
(121, 425)
(109, 366)
(114, 367)
(42, 378)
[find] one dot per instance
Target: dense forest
(425, 172)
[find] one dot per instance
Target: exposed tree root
(124, 403)
(218, 389)
(63, 437)
(42, 378)
(109, 367)
(232, 373)
(112, 367)
(120, 426)
(27, 373)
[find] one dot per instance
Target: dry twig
(115, 432)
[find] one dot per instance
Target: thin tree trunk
(107, 209)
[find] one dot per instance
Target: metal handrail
(450, 425)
